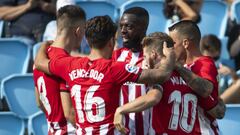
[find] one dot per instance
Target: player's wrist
(119, 110)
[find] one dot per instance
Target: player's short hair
(155, 41)
(99, 30)
(69, 16)
(141, 14)
(210, 43)
(187, 29)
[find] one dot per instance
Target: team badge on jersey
(132, 68)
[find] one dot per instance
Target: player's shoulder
(56, 52)
(120, 51)
(205, 59)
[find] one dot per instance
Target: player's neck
(97, 54)
(64, 42)
(192, 56)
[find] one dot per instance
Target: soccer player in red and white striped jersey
(173, 98)
(95, 80)
(177, 109)
(187, 36)
(133, 26)
(51, 90)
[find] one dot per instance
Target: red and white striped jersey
(49, 91)
(137, 123)
(205, 67)
(180, 110)
(95, 88)
(176, 113)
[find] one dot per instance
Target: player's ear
(185, 43)
(79, 32)
(153, 54)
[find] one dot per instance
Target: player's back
(176, 113)
(95, 88)
(49, 93)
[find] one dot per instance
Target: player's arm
(163, 70)
(219, 110)
(199, 85)
(38, 101)
(138, 105)
(67, 107)
(232, 93)
(42, 60)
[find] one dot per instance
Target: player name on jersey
(82, 73)
(177, 81)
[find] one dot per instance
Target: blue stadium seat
(235, 10)
(213, 18)
(10, 124)
(230, 124)
(157, 21)
(19, 93)
(37, 124)
(99, 8)
(1, 28)
(35, 49)
(14, 56)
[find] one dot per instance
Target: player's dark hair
(187, 29)
(210, 43)
(70, 15)
(155, 41)
(141, 14)
(99, 30)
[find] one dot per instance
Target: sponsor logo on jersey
(132, 68)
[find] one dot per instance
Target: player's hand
(44, 45)
(47, 43)
(169, 51)
(118, 122)
(224, 70)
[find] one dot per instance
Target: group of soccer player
(101, 93)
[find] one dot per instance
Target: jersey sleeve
(208, 71)
(64, 86)
(122, 72)
(59, 66)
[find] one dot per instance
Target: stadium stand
(96, 8)
(10, 124)
(157, 21)
(14, 56)
(18, 88)
(213, 18)
(18, 91)
(37, 124)
(230, 124)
